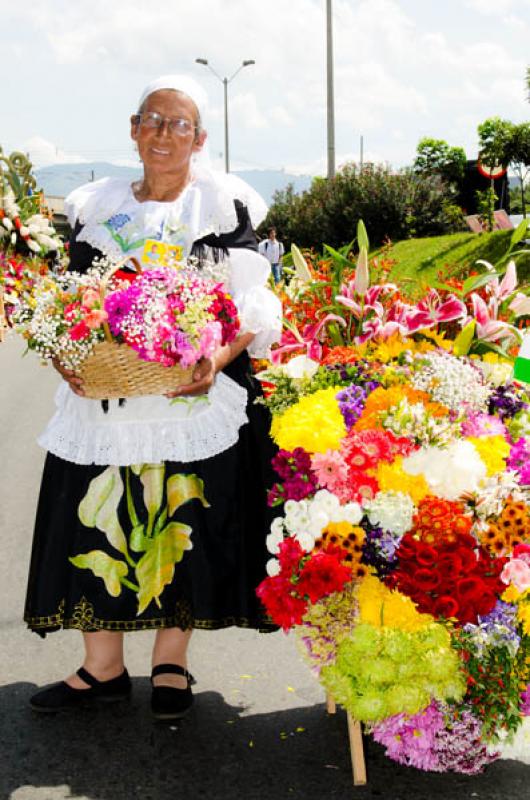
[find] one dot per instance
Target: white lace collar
(206, 206)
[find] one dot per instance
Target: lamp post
(225, 82)
(330, 92)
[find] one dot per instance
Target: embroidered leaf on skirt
(156, 568)
(181, 488)
(103, 566)
(152, 478)
(99, 507)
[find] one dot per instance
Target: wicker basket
(115, 370)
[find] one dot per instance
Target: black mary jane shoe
(63, 697)
(168, 702)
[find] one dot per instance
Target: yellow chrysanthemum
(380, 606)
(393, 478)
(493, 450)
(314, 423)
(511, 594)
(523, 615)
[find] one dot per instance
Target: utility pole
(330, 96)
(361, 161)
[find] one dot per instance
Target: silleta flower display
(401, 553)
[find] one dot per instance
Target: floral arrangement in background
(23, 225)
(169, 316)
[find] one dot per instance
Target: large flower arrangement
(169, 316)
(401, 556)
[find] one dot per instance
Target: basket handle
(105, 282)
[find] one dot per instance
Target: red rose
(470, 589)
(445, 606)
(485, 604)
(426, 556)
(449, 565)
(426, 580)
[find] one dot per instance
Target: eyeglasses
(154, 120)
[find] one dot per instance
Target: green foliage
(436, 157)
(486, 207)
(394, 205)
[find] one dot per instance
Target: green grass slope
(419, 262)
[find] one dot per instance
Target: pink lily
(292, 339)
(431, 310)
(520, 304)
(489, 328)
(500, 291)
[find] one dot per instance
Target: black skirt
(156, 545)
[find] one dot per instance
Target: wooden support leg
(330, 704)
(357, 752)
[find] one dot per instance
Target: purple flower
(351, 403)
(504, 402)
(119, 305)
(379, 549)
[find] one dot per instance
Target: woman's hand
(203, 378)
(206, 369)
(74, 381)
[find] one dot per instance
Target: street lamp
(225, 82)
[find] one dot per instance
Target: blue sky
(403, 69)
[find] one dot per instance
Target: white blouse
(153, 429)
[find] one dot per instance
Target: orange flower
(511, 528)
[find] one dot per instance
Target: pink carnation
(330, 469)
(517, 572)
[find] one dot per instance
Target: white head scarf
(180, 83)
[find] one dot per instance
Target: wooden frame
(356, 744)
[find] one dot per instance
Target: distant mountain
(60, 179)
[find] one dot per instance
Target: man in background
(273, 250)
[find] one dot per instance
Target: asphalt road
(259, 727)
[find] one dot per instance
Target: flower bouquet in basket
(125, 334)
(401, 555)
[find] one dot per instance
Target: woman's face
(161, 150)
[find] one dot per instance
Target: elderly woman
(152, 513)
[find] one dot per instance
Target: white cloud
(43, 153)
(399, 65)
(244, 107)
(496, 8)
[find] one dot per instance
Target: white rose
(306, 541)
(318, 519)
(290, 506)
(277, 525)
(326, 500)
(273, 542)
(351, 512)
(297, 522)
(273, 567)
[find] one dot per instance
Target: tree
(520, 157)
(503, 143)
(436, 157)
(495, 137)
